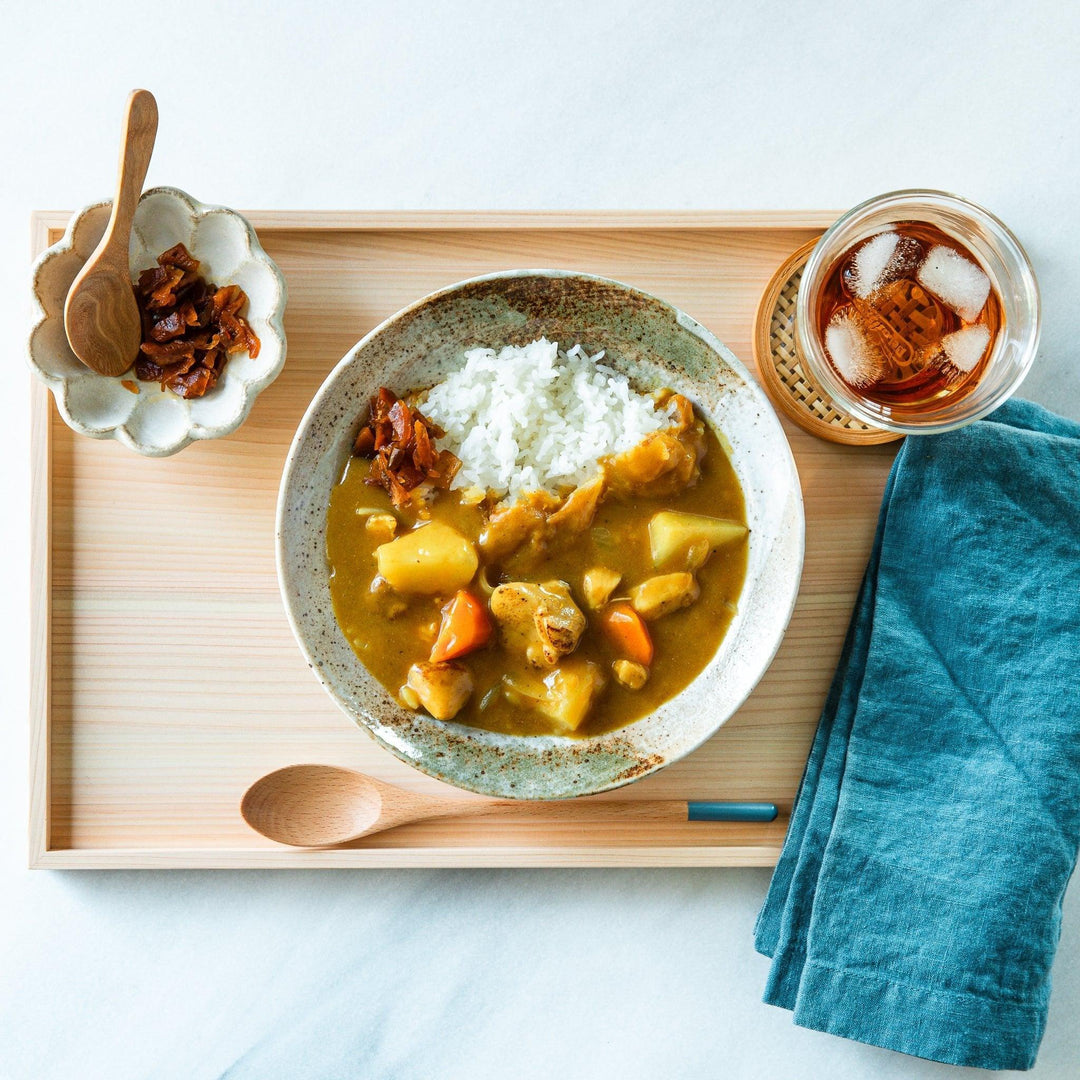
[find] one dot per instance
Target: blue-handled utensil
(324, 805)
(730, 811)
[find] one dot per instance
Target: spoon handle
(136, 147)
(730, 811)
(657, 811)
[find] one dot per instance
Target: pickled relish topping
(190, 326)
(400, 442)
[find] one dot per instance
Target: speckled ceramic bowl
(655, 345)
(156, 422)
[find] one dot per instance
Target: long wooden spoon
(101, 315)
(324, 805)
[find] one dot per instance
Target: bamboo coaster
(781, 369)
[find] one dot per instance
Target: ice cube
(964, 347)
(869, 262)
(882, 259)
(955, 281)
(853, 354)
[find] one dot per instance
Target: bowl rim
(797, 540)
(195, 431)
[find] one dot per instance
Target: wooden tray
(156, 700)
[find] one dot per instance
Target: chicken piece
(524, 523)
(563, 695)
(682, 409)
(663, 463)
(381, 527)
(526, 530)
(632, 675)
(441, 688)
(660, 595)
(541, 621)
(577, 513)
(598, 585)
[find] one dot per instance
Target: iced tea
(908, 316)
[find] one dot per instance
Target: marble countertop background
(484, 105)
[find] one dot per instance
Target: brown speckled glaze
(655, 345)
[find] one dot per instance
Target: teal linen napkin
(917, 901)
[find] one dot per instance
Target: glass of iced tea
(918, 311)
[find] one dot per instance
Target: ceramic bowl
(655, 345)
(156, 422)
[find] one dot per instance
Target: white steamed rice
(537, 418)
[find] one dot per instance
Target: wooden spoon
(324, 805)
(101, 315)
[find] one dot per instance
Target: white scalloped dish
(156, 422)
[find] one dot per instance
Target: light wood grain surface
(164, 675)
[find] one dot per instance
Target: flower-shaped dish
(156, 422)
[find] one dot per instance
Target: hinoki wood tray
(165, 677)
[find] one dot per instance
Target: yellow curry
(568, 615)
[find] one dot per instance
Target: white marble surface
(502, 104)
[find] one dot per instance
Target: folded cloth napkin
(917, 901)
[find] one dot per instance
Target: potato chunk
(660, 595)
(541, 621)
(441, 688)
(598, 585)
(563, 696)
(673, 535)
(431, 559)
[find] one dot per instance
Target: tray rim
(42, 855)
(360, 220)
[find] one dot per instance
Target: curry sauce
(392, 631)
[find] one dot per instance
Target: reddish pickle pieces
(189, 325)
(400, 441)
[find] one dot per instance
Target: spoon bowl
(101, 317)
(313, 805)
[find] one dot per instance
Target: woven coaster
(781, 369)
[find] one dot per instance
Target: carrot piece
(465, 626)
(626, 630)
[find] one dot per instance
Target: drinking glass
(1010, 273)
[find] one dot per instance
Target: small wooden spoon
(324, 805)
(101, 315)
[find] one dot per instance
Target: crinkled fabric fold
(917, 902)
